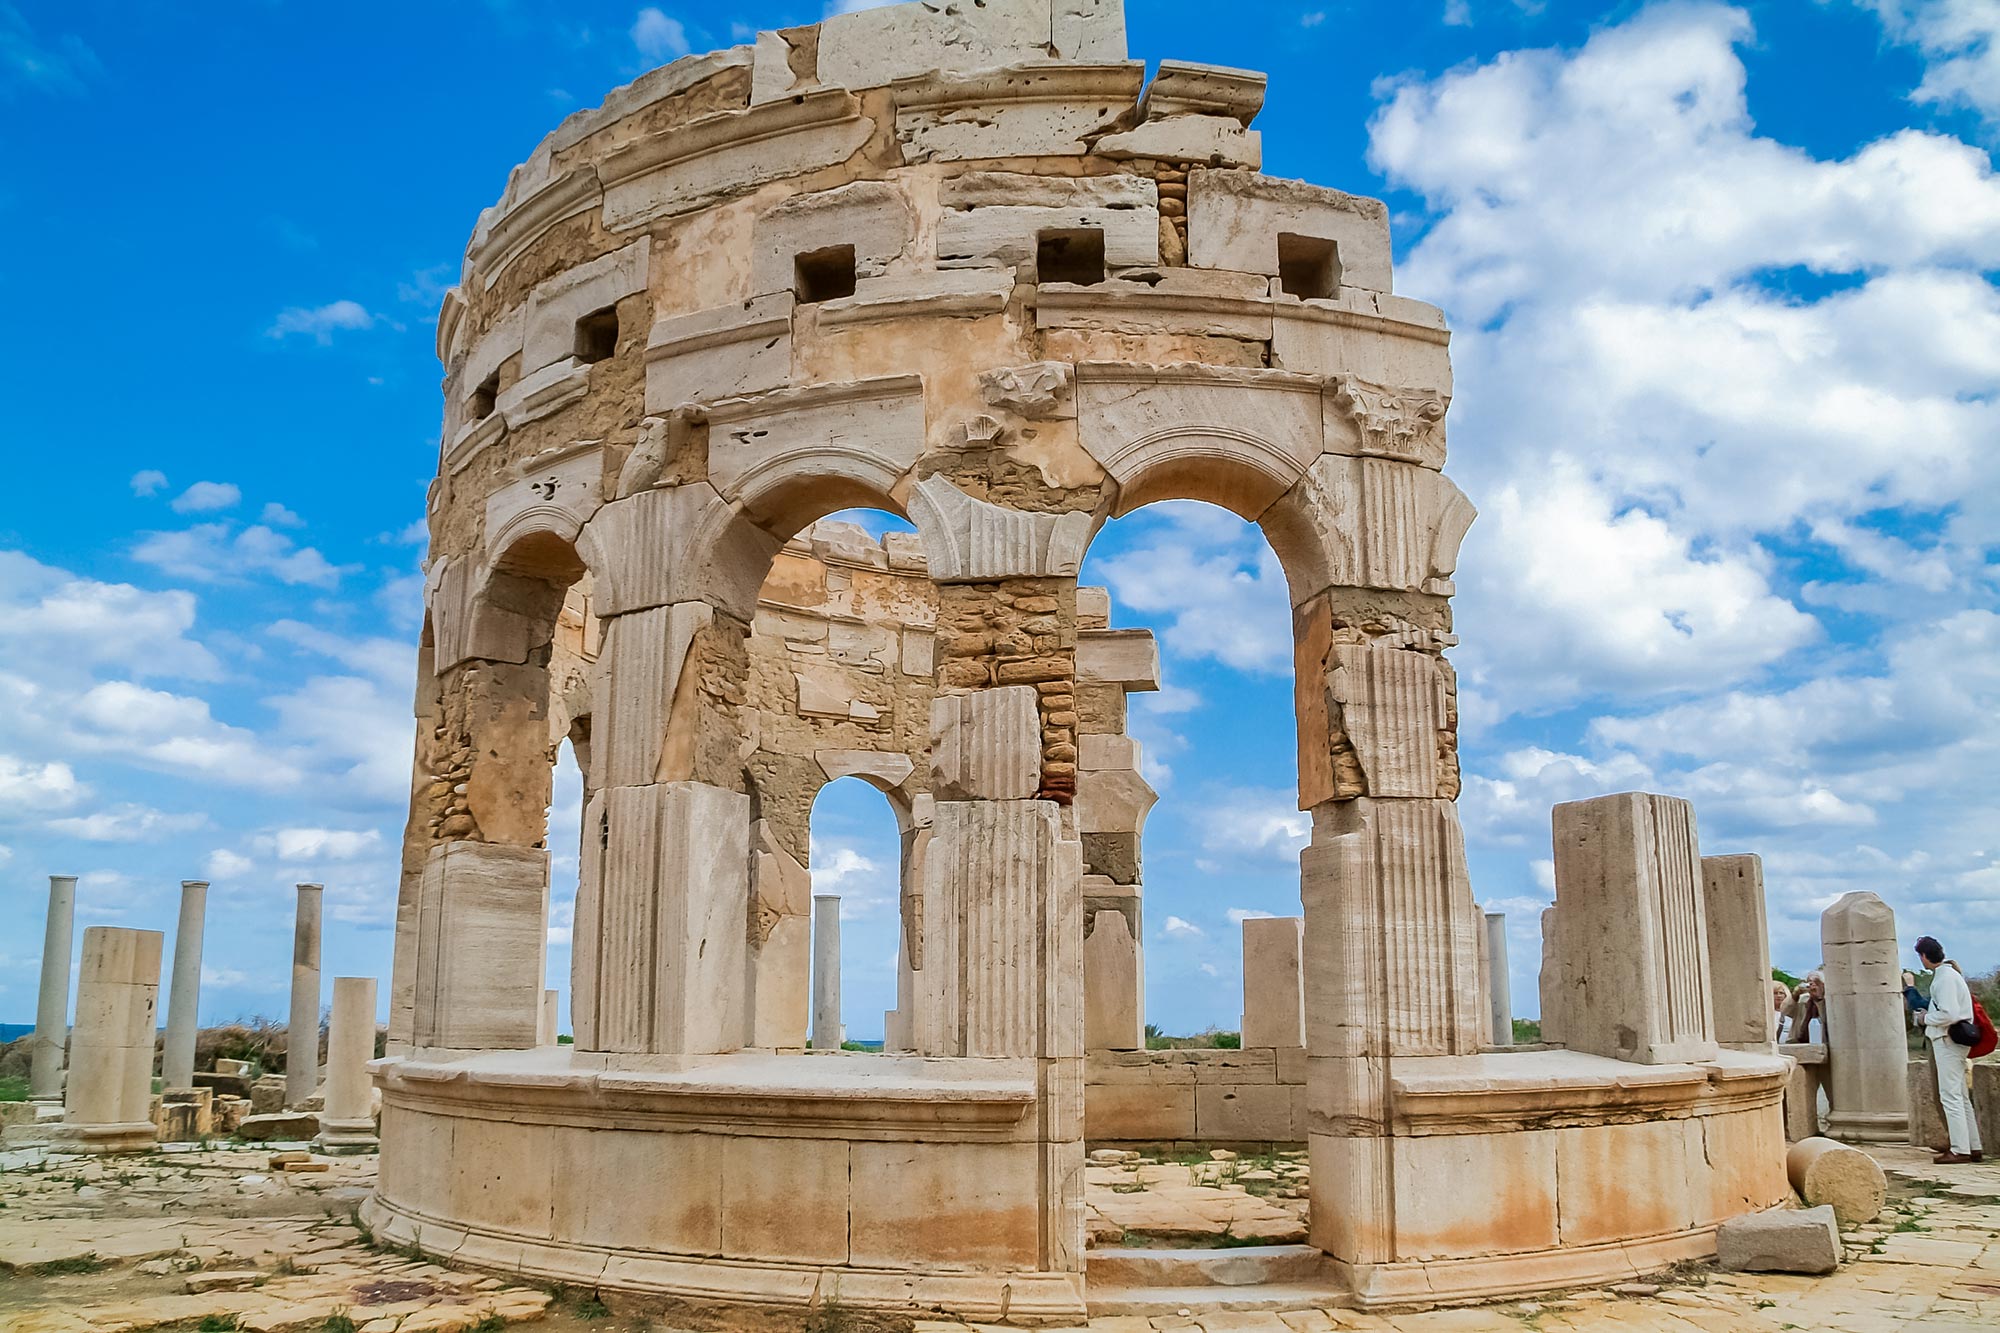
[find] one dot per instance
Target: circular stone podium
(969, 266)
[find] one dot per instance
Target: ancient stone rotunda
(960, 261)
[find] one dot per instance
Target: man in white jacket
(1951, 1002)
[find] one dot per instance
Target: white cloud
(125, 823)
(322, 844)
(223, 978)
(49, 616)
(171, 732)
(225, 864)
(1211, 584)
(1960, 42)
(1260, 821)
(277, 516)
(1182, 929)
(1238, 915)
(206, 496)
(320, 323)
(148, 482)
(26, 786)
(212, 553)
(659, 37)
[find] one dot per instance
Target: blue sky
(1728, 344)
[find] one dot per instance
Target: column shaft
(45, 1076)
(347, 1120)
(302, 1031)
(826, 972)
(184, 999)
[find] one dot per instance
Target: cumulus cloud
(224, 864)
(206, 496)
(320, 323)
(277, 516)
(48, 615)
(126, 823)
(1960, 42)
(27, 786)
(322, 844)
(1209, 584)
(659, 37)
(148, 482)
(217, 553)
(1181, 928)
(1257, 821)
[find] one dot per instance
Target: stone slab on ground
(1785, 1240)
(278, 1125)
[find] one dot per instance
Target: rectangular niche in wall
(1308, 267)
(1070, 255)
(597, 335)
(825, 275)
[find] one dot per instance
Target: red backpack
(1988, 1038)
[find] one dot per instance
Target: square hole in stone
(824, 275)
(1072, 255)
(484, 397)
(1308, 267)
(597, 335)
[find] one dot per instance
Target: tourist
(1781, 995)
(1807, 1012)
(1950, 1003)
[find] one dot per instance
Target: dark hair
(1930, 950)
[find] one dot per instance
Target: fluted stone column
(1866, 1045)
(45, 1074)
(184, 999)
(347, 1119)
(1499, 981)
(826, 972)
(302, 1031)
(108, 1099)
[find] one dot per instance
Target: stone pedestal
(302, 1030)
(347, 1119)
(45, 1075)
(1499, 980)
(1113, 1018)
(184, 999)
(109, 1097)
(1274, 999)
(1631, 940)
(826, 972)
(1867, 1049)
(1739, 950)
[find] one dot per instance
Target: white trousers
(1952, 1071)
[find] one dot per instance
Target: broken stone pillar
(549, 1026)
(1549, 982)
(1114, 1020)
(1499, 980)
(108, 1100)
(184, 998)
(1632, 943)
(481, 947)
(302, 1030)
(1739, 951)
(1866, 1045)
(347, 1119)
(45, 1071)
(826, 1032)
(1274, 998)
(780, 997)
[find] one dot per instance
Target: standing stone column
(45, 1075)
(1499, 981)
(826, 972)
(1739, 951)
(184, 999)
(550, 1026)
(109, 1097)
(347, 1120)
(1866, 1046)
(302, 1030)
(1274, 997)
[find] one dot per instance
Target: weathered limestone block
(1127, 658)
(1389, 705)
(1029, 110)
(929, 294)
(660, 937)
(548, 1025)
(1194, 302)
(717, 156)
(780, 944)
(1381, 421)
(1113, 985)
(856, 439)
(267, 1095)
(872, 217)
(1274, 982)
(1373, 337)
(558, 302)
(720, 353)
(679, 544)
(557, 496)
(1040, 390)
(986, 745)
(1631, 932)
(185, 1115)
(1499, 980)
(1214, 140)
(1189, 88)
(644, 696)
(1782, 1241)
(282, 1126)
(971, 541)
(883, 770)
(827, 1030)
(482, 937)
(1866, 1044)
(108, 1097)
(1802, 1089)
(1826, 1172)
(1112, 800)
(1371, 523)
(1235, 220)
(995, 219)
(1739, 950)
(1550, 984)
(873, 47)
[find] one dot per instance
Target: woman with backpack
(1950, 1024)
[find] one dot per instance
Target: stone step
(1239, 1266)
(1106, 1300)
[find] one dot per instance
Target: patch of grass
(76, 1263)
(489, 1322)
(13, 1089)
(339, 1322)
(587, 1305)
(1228, 1242)
(216, 1323)
(832, 1317)
(1907, 1224)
